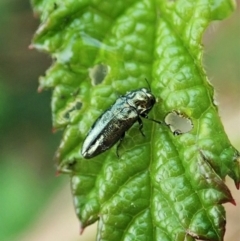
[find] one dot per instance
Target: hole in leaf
(74, 106)
(178, 123)
(98, 73)
(78, 105)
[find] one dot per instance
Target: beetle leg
(119, 144)
(146, 117)
(156, 121)
(140, 125)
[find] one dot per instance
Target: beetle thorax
(142, 100)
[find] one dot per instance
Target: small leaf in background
(164, 186)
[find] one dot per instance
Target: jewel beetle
(111, 126)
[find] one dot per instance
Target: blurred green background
(34, 203)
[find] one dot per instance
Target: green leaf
(163, 187)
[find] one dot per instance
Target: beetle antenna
(148, 84)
